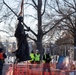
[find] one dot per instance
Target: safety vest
(1, 56)
(32, 56)
(45, 58)
(37, 57)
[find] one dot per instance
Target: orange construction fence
(36, 69)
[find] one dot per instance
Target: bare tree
(64, 8)
(43, 25)
(40, 6)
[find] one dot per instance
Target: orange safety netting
(36, 69)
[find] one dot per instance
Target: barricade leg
(63, 73)
(46, 73)
(66, 73)
(58, 73)
(46, 69)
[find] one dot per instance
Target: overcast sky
(12, 4)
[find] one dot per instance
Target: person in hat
(2, 58)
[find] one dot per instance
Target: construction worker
(47, 57)
(2, 57)
(32, 55)
(37, 57)
(46, 64)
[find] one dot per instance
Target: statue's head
(20, 18)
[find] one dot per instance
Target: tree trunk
(40, 33)
(40, 47)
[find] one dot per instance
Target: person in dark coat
(47, 57)
(2, 58)
(46, 65)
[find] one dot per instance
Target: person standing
(37, 57)
(2, 58)
(60, 64)
(32, 55)
(46, 64)
(47, 57)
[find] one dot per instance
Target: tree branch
(44, 7)
(5, 32)
(18, 16)
(53, 8)
(10, 8)
(30, 29)
(57, 23)
(34, 3)
(59, 7)
(68, 3)
(31, 38)
(71, 22)
(31, 16)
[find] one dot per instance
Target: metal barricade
(36, 69)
